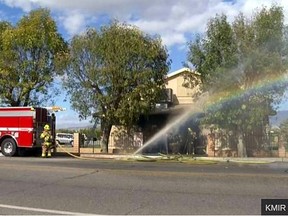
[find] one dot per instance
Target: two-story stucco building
(172, 131)
(181, 90)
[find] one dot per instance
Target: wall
(183, 91)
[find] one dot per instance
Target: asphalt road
(61, 185)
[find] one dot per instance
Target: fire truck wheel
(9, 147)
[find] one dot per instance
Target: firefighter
(47, 144)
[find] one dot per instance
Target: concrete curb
(246, 160)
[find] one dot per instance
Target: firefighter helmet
(46, 127)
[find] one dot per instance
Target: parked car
(64, 138)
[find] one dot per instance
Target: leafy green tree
(4, 25)
(115, 74)
(235, 61)
(214, 51)
(284, 132)
(28, 55)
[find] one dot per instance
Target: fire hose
(71, 154)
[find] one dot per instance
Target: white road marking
(43, 210)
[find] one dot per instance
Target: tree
(235, 61)
(28, 56)
(284, 132)
(115, 74)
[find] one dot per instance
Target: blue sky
(176, 22)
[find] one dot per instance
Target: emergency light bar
(55, 108)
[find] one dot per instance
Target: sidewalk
(131, 156)
(220, 159)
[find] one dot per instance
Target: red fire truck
(20, 128)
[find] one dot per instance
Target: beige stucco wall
(120, 139)
(182, 94)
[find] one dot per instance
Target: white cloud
(173, 39)
(24, 5)
(173, 20)
(74, 23)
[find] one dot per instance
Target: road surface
(55, 186)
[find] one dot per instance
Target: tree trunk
(105, 138)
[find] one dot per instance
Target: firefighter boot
(49, 153)
(44, 150)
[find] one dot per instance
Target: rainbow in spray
(268, 84)
(206, 102)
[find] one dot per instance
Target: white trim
(181, 71)
(50, 211)
(16, 129)
(17, 108)
(16, 113)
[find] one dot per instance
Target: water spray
(197, 107)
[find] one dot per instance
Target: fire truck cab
(20, 128)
